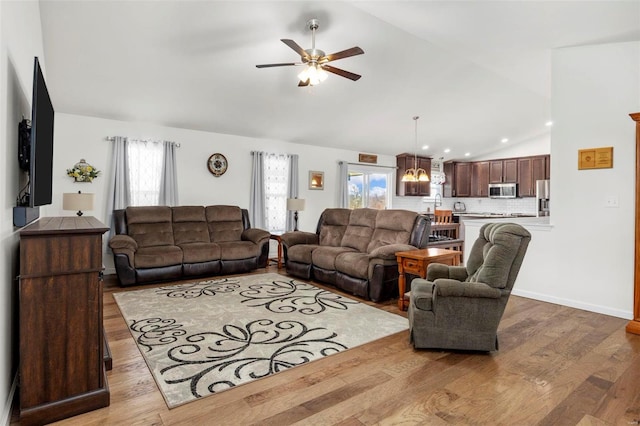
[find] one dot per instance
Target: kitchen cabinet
(480, 179)
(448, 189)
(531, 169)
(472, 179)
(503, 171)
(418, 189)
(462, 183)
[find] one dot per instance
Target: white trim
(6, 413)
(574, 304)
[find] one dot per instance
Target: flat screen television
(36, 145)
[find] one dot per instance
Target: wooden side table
(416, 262)
(278, 260)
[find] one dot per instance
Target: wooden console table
(62, 347)
(416, 262)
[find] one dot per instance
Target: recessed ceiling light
(549, 123)
(425, 146)
(466, 154)
(447, 151)
(504, 140)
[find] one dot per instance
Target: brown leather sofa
(160, 243)
(355, 249)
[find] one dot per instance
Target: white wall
(585, 258)
(594, 90)
(20, 41)
(79, 137)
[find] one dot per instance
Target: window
(145, 162)
(369, 188)
(276, 183)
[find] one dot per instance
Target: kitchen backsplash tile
(476, 205)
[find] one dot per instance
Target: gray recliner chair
(460, 307)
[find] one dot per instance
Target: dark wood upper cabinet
(418, 189)
(510, 170)
(480, 179)
(531, 169)
(503, 171)
(448, 189)
(472, 179)
(462, 183)
(525, 178)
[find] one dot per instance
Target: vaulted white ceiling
(474, 71)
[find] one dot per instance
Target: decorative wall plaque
(595, 158)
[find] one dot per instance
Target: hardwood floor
(555, 366)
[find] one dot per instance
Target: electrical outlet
(611, 201)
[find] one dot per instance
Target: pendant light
(415, 174)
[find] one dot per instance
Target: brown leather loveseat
(160, 243)
(355, 249)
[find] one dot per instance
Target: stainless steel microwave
(503, 190)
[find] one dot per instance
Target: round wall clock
(217, 164)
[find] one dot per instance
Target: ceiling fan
(316, 60)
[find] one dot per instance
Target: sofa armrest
(438, 270)
(389, 251)
(255, 235)
(290, 239)
(124, 244)
(454, 288)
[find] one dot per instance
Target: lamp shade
(296, 204)
(77, 201)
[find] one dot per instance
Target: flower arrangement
(83, 172)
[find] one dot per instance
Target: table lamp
(77, 201)
(296, 205)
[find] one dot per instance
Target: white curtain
(343, 184)
(118, 194)
(169, 179)
(256, 194)
(293, 187)
(274, 179)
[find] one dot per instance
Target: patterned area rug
(205, 337)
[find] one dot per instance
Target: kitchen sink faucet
(435, 201)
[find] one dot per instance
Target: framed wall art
(316, 180)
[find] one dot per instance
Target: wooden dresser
(62, 346)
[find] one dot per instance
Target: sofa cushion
(235, 250)
(225, 223)
(158, 256)
(189, 225)
(150, 226)
(301, 253)
(334, 223)
(392, 227)
(360, 228)
(353, 264)
(325, 257)
(200, 252)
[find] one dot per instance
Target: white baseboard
(6, 413)
(575, 304)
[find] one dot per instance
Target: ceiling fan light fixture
(314, 74)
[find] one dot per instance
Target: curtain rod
(113, 138)
(368, 165)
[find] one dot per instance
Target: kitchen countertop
(483, 215)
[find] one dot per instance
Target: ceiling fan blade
(304, 83)
(295, 46)
(284, 64)
(344, 54)
(341, 73)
